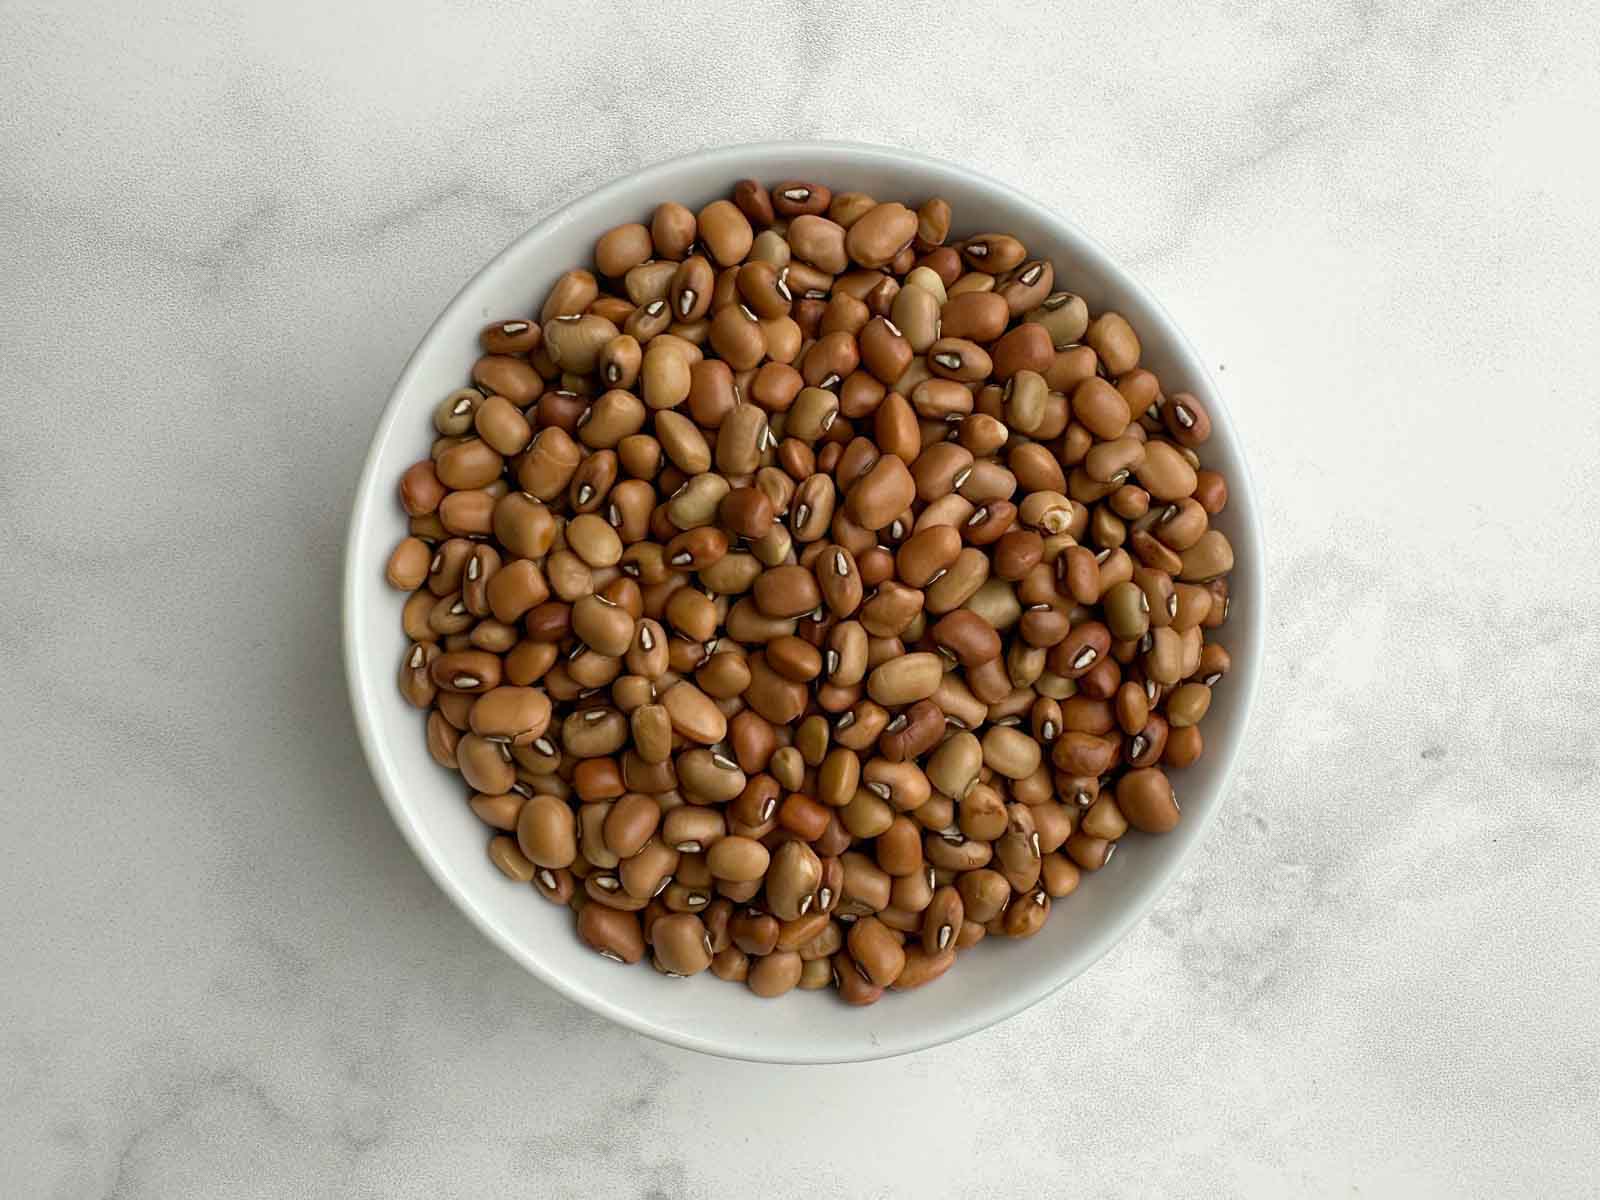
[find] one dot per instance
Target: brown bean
(866, 446)
(547, 466)
(1145, 798)
(611, 933)
(1100, 408)
(880, 234)
(693, 714)
(993, 253)
(787, 591)
(876, 952)
(672, 230)
(681, 943)
(408, 564)
(968, 637)
(725, 231)
(775, 974)
(571, 295)
(792, 879)
(906, 679)
(1165, 473)
(1025, 348)
(975, 316)
(777, 699)
(547, 832)
(471, 671)
(795, 198)
(621, 248)
(504, 854)
(925, 555)
(818, 241)
(959, 359)
(1186, 420)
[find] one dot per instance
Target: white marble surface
(223, 226)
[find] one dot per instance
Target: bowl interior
(989, 983)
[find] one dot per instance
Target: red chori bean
(813, 589)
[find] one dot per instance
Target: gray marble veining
(224, 226)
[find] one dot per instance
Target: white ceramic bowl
(994, 980)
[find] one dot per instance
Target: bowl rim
(1106, 935)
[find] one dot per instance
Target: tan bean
(693, 714)
(902, 784)
(594, 733)
(513, 865)
(906, 679)
(651, 727)
(571, 295)
(960, 583)
(818, 241)
(665, 376)
(839, 580)
(775, 974)
(1114, 340)
(547, 832)
(547, 467)
(954, 766)
(672, 230)
(516, 715)
(880, 234)
(725, 231)
(787, 591)
(1145, 798)
(959, 359)
(876, 952)
(691, 829)
(916, 313)
(1209, 558)
(739, 859)
(594, 541)
(574, 343)
(1165, 473)
(882, 494)
(709, 776)
(1188, 704)
(408, 565)
(885, 350)
(926, 555)
(611, 933)
(792, 880)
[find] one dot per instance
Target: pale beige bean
(1010, 752)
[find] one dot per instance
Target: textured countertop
(223, 227)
